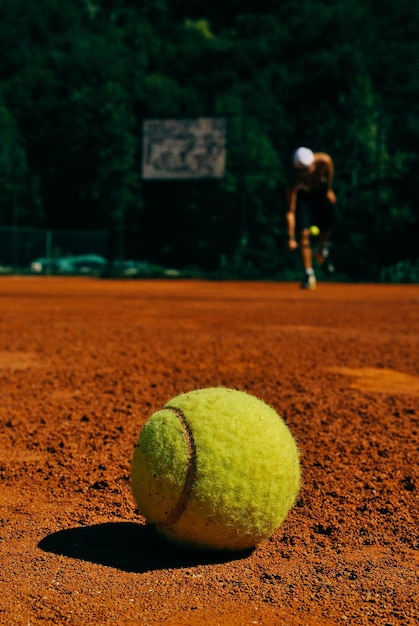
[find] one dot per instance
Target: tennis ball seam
(191, 469)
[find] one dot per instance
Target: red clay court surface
(83, 363)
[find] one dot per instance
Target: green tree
(19, 199)
(77, 79)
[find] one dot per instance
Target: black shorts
(314, 213)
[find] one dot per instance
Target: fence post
(48, 250)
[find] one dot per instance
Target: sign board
(178, 149)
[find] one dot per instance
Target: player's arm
(290, 216)
(330, 172)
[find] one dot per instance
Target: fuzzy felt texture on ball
(216, 468)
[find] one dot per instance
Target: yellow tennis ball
(216, 469)
(314, 230)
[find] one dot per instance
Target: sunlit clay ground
(84, 362)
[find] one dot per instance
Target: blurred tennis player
(310, 203)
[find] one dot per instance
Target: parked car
(50, 266)
(129, 268)
(87, 263)
(79, 264)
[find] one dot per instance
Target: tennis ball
(215, 469)
(314, 230)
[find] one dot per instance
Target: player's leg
(309, 279)
(305, 247)
(321, 252)
(323, 215)
(303, 223)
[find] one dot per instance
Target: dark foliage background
(77, 78)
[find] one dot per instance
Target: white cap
(302, 158)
